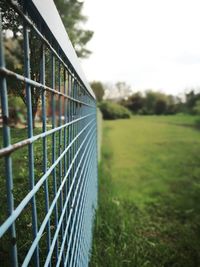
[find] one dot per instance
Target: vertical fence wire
(6, 143)
(30, 134)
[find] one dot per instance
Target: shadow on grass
(194, 125)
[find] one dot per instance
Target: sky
(149, 44)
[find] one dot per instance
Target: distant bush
(197, 123)
(112, 111)
(196, 108)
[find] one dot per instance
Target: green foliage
(135, 102)
(14, 51)
(17, 110)
(192, 100)
(21, 187)
(72, 17)
(196, 108)
(98, 90)
(160, 106)
(112, 111)
(14, 55)
(151, 103)
(149, 193)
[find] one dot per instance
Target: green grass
(149, 196)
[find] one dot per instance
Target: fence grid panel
(48, 147)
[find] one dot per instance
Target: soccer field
(149, 196)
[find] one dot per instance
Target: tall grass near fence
(149, 195)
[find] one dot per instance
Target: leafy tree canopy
(98, 90)
(70, 11)
(73, 19)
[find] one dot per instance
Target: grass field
(149, 196)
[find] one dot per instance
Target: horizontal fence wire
(48, 152)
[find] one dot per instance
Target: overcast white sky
(147, 43)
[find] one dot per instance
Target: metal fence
(48, 154)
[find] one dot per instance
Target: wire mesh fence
(48, 147)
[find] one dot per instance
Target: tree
(135, 102)
(160, 106)
(12, 24)
(72, 17)
(172, 108)
(98, 90)
(191, 99)
(196, 109)
(150, 101)
(15, 62)
(124, 90)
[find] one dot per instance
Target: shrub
(197, 123)
(112, 111)
(196, 108)
(17, 110)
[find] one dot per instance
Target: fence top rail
(48, 11)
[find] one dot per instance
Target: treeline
(148, 103)
(157, 103)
